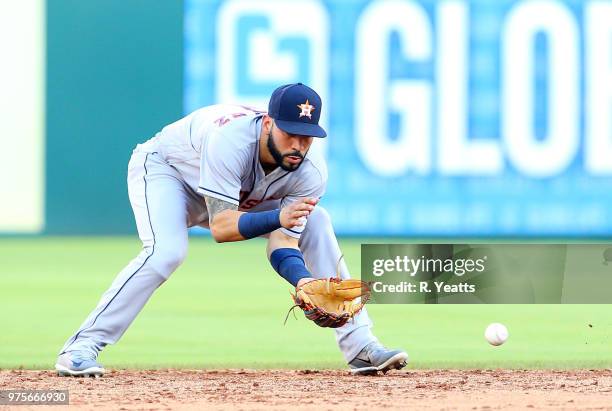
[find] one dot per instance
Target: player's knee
(319, 216)
(167, 258)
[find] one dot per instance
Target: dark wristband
(252, 225)
(289, 263)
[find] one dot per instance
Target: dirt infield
(322, 390)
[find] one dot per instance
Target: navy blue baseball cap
(296, 109)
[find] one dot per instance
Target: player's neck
(268, 168)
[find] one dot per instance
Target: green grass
(225, 308)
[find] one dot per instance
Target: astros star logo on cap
(306, 109)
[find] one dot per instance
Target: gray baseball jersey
(216, 151)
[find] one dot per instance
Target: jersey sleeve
(220, 169)
(313, 185)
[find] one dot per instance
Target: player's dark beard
(280, 157)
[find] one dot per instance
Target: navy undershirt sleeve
(289, 263)
(251, 225)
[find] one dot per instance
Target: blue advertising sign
(445, 118)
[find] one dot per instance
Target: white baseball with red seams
(496, 334)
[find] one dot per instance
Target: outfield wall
(114, 77)
(446, 118)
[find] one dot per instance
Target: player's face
(288, 150)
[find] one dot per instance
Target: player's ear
(267, 122)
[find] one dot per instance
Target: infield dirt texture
(214, 335)
(326, 390)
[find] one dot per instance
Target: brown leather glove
(331, 302)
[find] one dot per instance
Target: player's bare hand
(294, 214)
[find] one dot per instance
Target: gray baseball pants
(164, 208)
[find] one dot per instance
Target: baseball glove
(331, 302)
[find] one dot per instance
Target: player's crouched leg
(361, 349)
(320, 247)
(119, 305)
(165, 258)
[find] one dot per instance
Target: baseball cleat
(374, 357)
(78, 364)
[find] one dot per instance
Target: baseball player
(242, 173)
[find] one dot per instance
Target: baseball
(496, 334)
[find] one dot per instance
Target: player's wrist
(304, 281)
